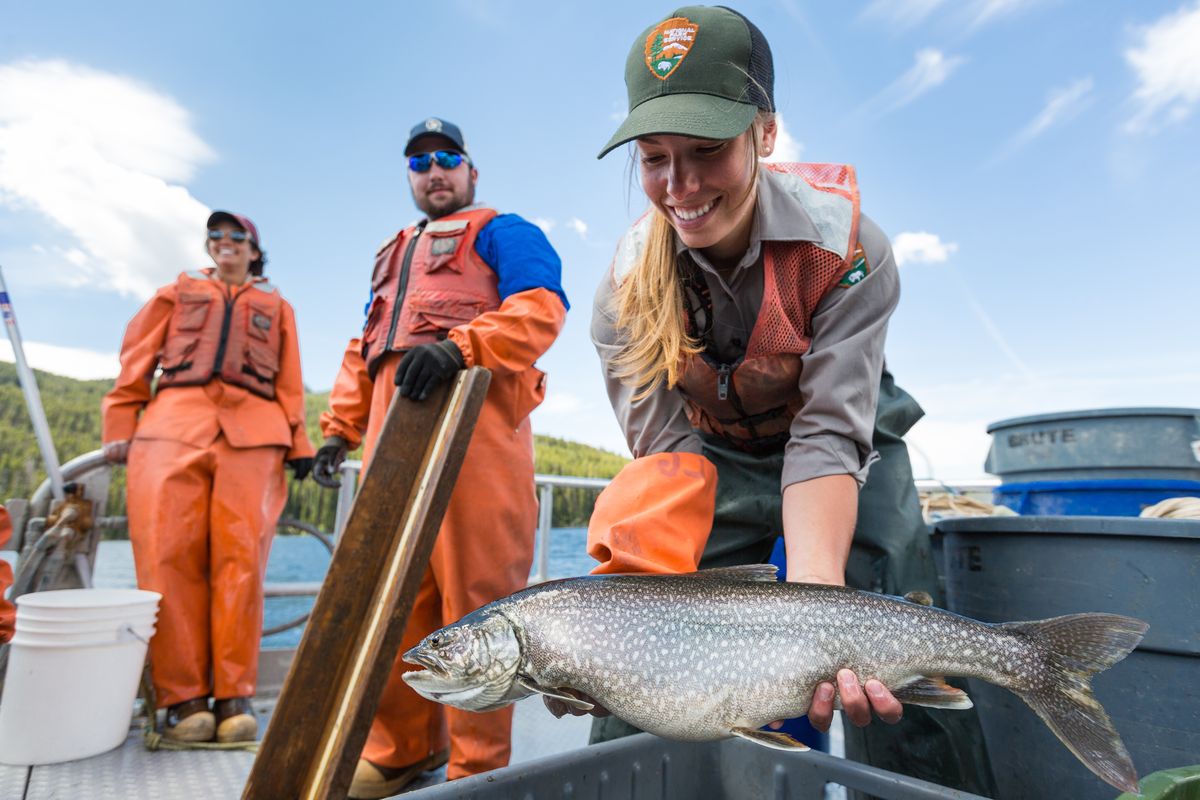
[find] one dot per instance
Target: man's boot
(190, 721)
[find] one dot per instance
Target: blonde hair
(650, 302)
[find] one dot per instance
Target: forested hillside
(73, 413)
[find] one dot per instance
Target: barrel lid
(1092, 526)
(1093, 413)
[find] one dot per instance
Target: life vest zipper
(402, 286)
(219, 362)
(723, 372)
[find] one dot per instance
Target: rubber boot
(190, 721)
(373, 781)
(235, 720)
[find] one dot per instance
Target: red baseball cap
(237, 219)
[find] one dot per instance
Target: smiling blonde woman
(741, 331)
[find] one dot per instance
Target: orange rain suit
(484, 548)
(8, 612)
(205, 488)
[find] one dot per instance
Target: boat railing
(80, 468)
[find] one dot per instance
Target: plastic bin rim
(1116, 484)
(1094, 413)
(1081, 525)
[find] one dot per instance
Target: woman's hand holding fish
(857, 702)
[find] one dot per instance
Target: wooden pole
(324, 712)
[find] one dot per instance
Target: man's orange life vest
(751, 403)
(211, 336)
(427, 280)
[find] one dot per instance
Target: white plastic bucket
(120, 635)
(83, 604)
(37, 626)
(69, 695)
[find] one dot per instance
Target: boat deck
(131, 772)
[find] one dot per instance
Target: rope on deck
(156, 741)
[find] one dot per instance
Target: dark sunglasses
(237, 236)
(446, 159)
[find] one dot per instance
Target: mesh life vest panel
(751, 403)
(427, 280)
(212, 336)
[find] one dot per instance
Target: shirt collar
(779, 216)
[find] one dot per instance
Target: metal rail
(545, 484)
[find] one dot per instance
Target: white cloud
(579, 226)
(982, 12)
(103, 157)
(73, 362)
(786, 147)
(921, 248)
(902, 13)
(546, 225)
(931, 68)
(1166, 59)
(1062, 105)
(964, 15)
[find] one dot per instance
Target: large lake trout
(722, 652)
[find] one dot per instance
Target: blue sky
(1034, 162)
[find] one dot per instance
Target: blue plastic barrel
(1099, 498)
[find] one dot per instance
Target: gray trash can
(1001, 569)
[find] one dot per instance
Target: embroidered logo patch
(261, 321)
(859, 269)
(433, 124)
(668, 44)
(443, 245)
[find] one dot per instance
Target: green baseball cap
(703, 71)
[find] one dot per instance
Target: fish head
(471, 664)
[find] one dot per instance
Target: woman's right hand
(116, 452)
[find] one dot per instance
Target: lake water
(304, 559)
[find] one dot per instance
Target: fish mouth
(430, 662)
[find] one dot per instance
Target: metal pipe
(33, 400)
(545, 512)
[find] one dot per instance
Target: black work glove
(329, 458)
(300, 467)
(426, 366)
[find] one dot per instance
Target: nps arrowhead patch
(859, 269)
(668, 44)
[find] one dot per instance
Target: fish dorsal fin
(743, 572)
(933, 693)
(573, 702)
(919, 597)
(774, 739)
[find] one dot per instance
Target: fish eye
(435, 640)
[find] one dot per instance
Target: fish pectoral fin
(774, 739)
(743, 572)
(933, 693)
(573, 702)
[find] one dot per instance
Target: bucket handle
(127, 628)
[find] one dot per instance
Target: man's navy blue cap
(435, 127)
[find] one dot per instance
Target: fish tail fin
(1077, 647)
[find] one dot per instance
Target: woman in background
(208, 408)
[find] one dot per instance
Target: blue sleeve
(521, 256)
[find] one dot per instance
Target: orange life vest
(751, 403)
(210, 336)
(428, 279)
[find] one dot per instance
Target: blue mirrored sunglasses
(237, 236)
(446, 159)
